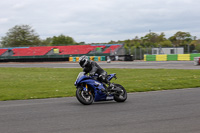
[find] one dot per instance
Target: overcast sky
(101, 20)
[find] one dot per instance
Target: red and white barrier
(196, 61)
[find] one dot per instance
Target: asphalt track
(175, 111)
(171, 111)
(134, 64)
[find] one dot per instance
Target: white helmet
(83, 61)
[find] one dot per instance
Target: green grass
(32, 83)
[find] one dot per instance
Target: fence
(138, 53)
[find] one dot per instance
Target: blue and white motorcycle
(91, 89)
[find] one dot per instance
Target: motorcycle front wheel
(122, 95)
(84, 97)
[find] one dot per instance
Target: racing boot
(111, 86)
(106, 88)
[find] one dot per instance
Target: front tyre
(84, 97)
(120, 96)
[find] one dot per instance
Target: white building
(168, 50)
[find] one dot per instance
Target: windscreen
(79, 75)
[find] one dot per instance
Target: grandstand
(63, 50)
(76, 49)
(2, 51)
(112, 48)
(59, 52)
(31, 51)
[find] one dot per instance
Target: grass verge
(33, 83)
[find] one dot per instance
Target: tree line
(150, 40)
(24, 35)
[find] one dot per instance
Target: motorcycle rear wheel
(83, 97)
(122, 96)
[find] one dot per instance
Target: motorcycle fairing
(96, 85)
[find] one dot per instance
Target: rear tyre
(120, 96)
(84, 97)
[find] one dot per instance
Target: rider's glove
(92, 74)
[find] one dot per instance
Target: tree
(166, 43)
(80, 43)
(150, 39)
(198, 47)
(195, 44)
(47, 42)
(181, 38)
(20, 35)
(153, 39)
(62, 40)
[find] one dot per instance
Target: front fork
(86, 90)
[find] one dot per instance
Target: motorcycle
(90, 89)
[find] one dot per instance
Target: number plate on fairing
(109, 98)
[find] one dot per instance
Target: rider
(92, 68)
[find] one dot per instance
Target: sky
(100, 21)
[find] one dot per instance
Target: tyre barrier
(93, 58)
(171, 57)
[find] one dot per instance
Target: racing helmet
(83, 61)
